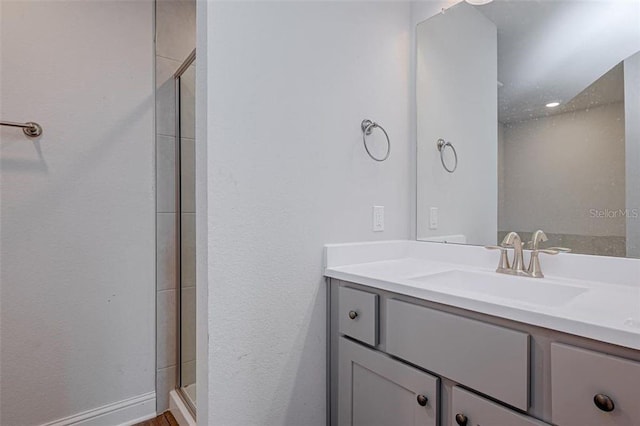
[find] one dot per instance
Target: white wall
(77, 207)
(632, 154)
(558, 168)
(457, 101)
(204, 311)
(288, 85)
(501, 177)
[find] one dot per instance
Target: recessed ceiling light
(552, 104)
(478, 2)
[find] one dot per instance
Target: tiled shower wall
(188, 237)
(175, 39)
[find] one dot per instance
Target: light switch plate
(378, 218)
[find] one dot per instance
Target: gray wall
(419, 11)
(77, 283)
(632, 129)
(558, 170)
(286, 172)
(457, 101)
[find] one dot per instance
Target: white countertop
(608, 309)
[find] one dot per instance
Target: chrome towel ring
(367, 127)
(442, 144)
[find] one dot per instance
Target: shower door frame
(178, 192)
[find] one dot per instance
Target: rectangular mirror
(528, 117)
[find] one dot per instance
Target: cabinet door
(376, 390)
(468, 409)
(593, 389)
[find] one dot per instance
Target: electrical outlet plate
(378, 218)
(433, 218)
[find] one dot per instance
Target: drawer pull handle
(422, 400)
(461, 419)
(353, 314)
(603, 402)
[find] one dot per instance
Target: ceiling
(552, 50)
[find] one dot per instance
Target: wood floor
(164, 419)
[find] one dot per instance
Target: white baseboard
(179, 410)
(122, 413)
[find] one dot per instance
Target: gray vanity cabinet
(397, 360)
(377, 390)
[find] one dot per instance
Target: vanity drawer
(468, 409)
(358, 315)
(490, 359)
(578, 375)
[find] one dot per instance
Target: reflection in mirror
(542, 103)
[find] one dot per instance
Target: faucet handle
(504, 263)
(546, 251)
(560, 249)
(534, 269)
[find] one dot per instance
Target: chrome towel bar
(30, 128)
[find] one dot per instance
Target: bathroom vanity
(513, 133)
(409, 347)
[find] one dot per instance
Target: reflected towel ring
(442, 144)
(367, 127)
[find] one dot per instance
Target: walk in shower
(186, 227)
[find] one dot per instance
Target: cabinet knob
(461, 419)
(603, 402)
(353, 314)
(422, 400)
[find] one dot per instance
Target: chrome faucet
(513, 240)
(538, 237)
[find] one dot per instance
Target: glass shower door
(185, 86)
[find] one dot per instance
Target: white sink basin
(479, 285)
